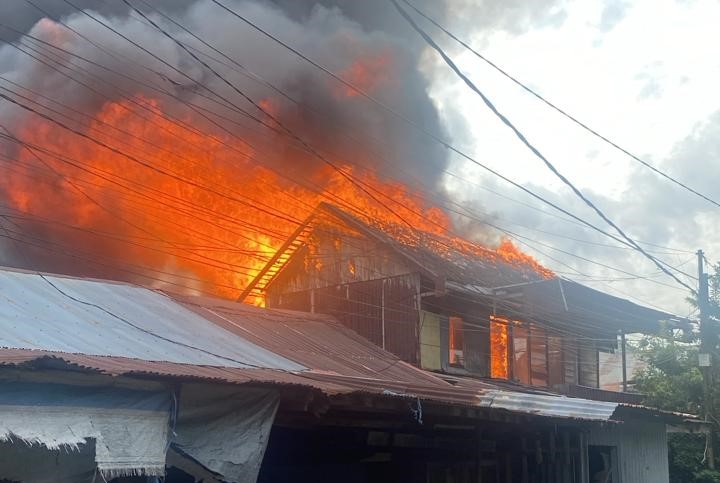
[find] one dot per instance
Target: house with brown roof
(450, 306)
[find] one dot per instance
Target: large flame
(499, 346)
(189, 208)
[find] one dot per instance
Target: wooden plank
(584, 463)
(508, 468)
(525, 475)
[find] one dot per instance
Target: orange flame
(199, 207)
(499, 348)
(366, 74)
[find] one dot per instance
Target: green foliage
(672, 381)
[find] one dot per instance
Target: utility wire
(431, 135)
(558, 109)
(274, 118)
(531, 147)
(245, 71)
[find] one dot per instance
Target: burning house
(447, 305)
(410, 355)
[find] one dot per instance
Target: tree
(672, 381)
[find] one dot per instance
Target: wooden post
(567, 459)
(584, 464)
(552, 457)
(478, 456)
(624, 361)
(382, 311)
(312, 300)
(525, 476)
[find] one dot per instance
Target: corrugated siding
(641, 448)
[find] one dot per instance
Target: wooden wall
(384, 310)
(336, 255)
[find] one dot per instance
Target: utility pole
(705, 358)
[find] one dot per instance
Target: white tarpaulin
(226, 430)
(129, 428)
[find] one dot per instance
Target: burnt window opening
(499, 350)
(524, 353)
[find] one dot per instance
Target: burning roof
(436, 254)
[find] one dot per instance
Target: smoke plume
(138, 162)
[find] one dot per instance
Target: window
(499, 348)
(538, 356)
(526, 353)
(455, 342)
(521, 356)
(587, 364)
(556, 367)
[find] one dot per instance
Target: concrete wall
(641, 450)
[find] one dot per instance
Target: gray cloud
(652, 79)
(612, 14)
(651, 210)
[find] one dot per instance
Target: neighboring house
(106, 381)
(449, 306)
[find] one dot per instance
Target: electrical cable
(531, 147)
(558, 109)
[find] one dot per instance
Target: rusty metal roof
(315, 341)
(40, 326)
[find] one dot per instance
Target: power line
(205, 43)
(255, 77)
(435, 137)
(527, 143)
(558, 109)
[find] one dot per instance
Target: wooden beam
(279, 253)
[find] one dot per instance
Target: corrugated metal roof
(561, 298)
(63, 314)
(550, 406)
(317, 342)
(118, 335)
(121, 366)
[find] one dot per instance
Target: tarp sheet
(129, 427)
(226, 430)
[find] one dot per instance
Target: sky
(643, 73)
